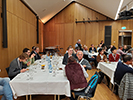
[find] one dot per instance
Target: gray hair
(79, 40)
(79, 51)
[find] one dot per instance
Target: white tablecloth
(43, 82)
(93, 54)
(108, 69)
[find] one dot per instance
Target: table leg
(54, 97)
(58, 97)
(26, 97)
(30, 97)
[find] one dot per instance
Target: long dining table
(108, 69)
(37, 81)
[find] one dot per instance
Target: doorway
(125, 38)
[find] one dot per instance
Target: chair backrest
(7, 70)
(86, 57)
(125, 90)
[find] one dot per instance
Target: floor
(102, 92)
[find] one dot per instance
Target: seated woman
(77, 75)
(101, 56)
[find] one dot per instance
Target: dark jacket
(37, 56)
(14, 68)
(85, 62)
(79, 45)
(75, 76)
(125, 50)
(90, 49)
(66, 58)
(121, 70)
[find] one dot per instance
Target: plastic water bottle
(52, 57)
(50, 68)
(46, 58)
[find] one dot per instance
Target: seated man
(5, 89)
(36, 52)
(120, 52)
(114, 57)
(76, 75)
(67, 55)
(16, 66)
(33, 49)
(31, 58)
(123, 68)
(83, 61)
(91, 58)
(78, 44)
(125, 49)
(92, 49)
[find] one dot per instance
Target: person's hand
(32, 55)
(41, 57)
(29, 63)
(92, 57)
(84, 65)
(101, 61)
(23, 70)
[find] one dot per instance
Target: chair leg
(113, 87)
(78, 98)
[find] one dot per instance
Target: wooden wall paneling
(57, 34)
(10, 5)
(60, 17)
(21, 28)
(89, 14)
(15, 6)
(69, 14)
(0, 3)
(62, 36)
(12, 36)
(33, 35)
(79, 33)
(28, 36)
(78, 14)
(3, 52)
(69, 31)
(88, 31)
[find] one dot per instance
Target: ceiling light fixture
(121, 2)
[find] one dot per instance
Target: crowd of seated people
(89, 57)
(75, 62)
(18, 65)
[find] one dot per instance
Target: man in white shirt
(90, 58)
